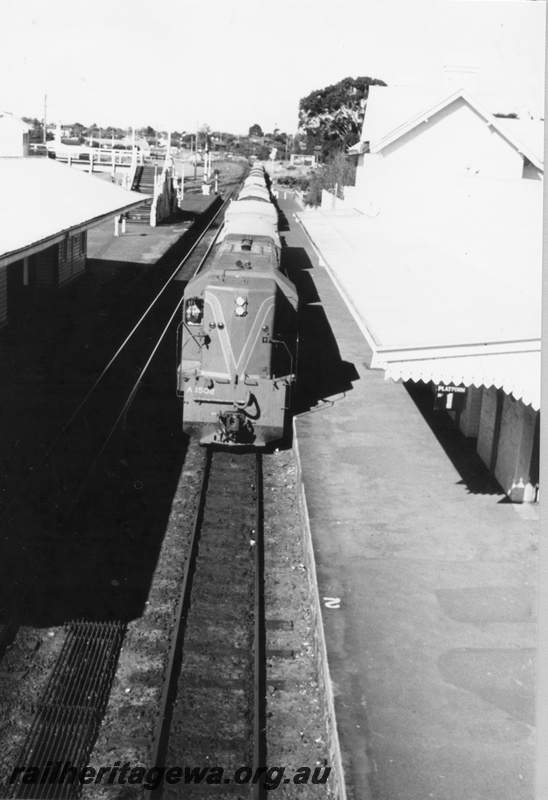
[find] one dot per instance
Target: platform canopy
(41, 201)
(517, 373)
(450, 297)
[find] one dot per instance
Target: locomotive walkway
(429, 571)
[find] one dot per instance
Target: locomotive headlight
(241, 306)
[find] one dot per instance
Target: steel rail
(75, 697)
(122, 416)
(169, 690)
(10, 629)
(173, 668)
(259, 705)
(120, 349)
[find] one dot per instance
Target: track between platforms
(213, 706)
(85, 431)
(70, 712)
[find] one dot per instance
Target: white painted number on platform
(332, 602)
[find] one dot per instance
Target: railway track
(212, 712)
(84, 432)
(214, 706)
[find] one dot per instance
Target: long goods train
(238, 335)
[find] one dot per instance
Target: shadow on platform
(322, 374)
(460, 449)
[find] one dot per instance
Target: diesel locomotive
(238, 334)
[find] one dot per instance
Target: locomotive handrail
(281, 341)
(218, 401)
(204, 336)
(291, 373)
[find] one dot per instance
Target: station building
(437, 250)
(46, 210)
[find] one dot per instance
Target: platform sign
(449, 397)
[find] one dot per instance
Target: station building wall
(508, 444)
(33, 277)
(507, 433)
(72, 257)
(431, 148)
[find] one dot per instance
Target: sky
(231, 64)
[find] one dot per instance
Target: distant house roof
(457, 298)
(8, 118)
(41, 201)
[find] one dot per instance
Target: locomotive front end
(237, 363)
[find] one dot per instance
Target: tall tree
(333, 116)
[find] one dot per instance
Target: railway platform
(140, 243)
(426, 573)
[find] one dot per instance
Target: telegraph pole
(196, 153)
(45, 114)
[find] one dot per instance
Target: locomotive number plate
(200, 390)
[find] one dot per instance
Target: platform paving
(141, 243)
(431, 572)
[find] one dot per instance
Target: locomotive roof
(251, 208)
(255, 180)
(257, 247)
(253, 190)
(250, 226)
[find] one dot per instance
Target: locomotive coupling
(235, 427)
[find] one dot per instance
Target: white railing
(100, 157)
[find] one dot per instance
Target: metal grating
(68, 717)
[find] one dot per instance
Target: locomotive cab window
(194, 311)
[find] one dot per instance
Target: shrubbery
(338, 172)
(294, 182)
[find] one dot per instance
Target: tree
(333, 176)
(334, 116)
(256, 130)
(149, 134)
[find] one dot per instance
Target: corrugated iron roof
(424, 115)
(393, 111)
(41, 199)
(450, 288)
